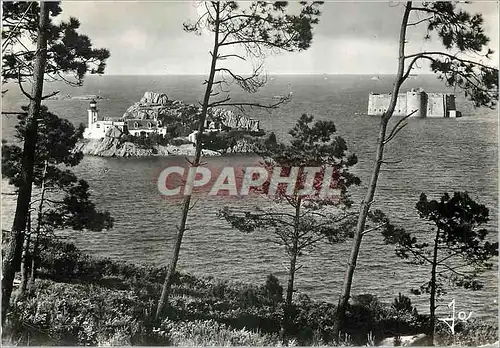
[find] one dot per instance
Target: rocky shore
(113, 147)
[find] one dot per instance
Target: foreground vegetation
(81, 300)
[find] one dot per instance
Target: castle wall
(401, 105)
(379, 103)
(436, 106)
(425, 104)
(416, 101)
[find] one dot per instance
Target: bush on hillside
(179, 141)
(85, 314)
(367, 316)
(62, 261)
(472, 333)
(233, 306)
(212, 333)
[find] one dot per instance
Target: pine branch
(374, 228)
(418, 22)
(50, 95)
(448, 55)
(397, 128)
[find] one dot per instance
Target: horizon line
(269, 74)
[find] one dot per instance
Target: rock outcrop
(249, 144)
(155, 105)
(234, 121)
(112, 146)
(153, 98)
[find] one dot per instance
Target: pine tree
(62, 200)
(259, 27)
(35, 48)
(462, 36)
(302, 220)
(456, 248)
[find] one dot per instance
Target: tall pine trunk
(25, 261)
(287, 320)
(36, 243)
(366, 203)
(12, 258)
(187, 200)
(31, 279)
(432, 301)
(287, 315)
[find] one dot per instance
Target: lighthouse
(92, 113)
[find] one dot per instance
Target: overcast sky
(351, 38)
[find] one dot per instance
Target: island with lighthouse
(159, 126)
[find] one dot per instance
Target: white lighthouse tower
(92, 113)
(95, 129)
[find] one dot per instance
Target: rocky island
(159, 126)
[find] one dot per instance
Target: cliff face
(157, 106)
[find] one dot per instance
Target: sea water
(432, 156)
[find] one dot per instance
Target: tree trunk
(34, 255)
(32, 276)
(12, 259)
(367, 201)
(432, 301)
(289, 296)
(187, 200)
(291, 276)
(25, 262)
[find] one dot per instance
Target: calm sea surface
(437, 155)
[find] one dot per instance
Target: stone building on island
(98, 128)
(145, 118)
(418, 101)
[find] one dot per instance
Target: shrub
(367, 316)
(473, 332)
(179, 141)
(312, 321)
(229, 312)
(219, 141)
(212, 333)
(85, 314)
(63, 261)
(402, 303)
(273, 290)
(127, 138)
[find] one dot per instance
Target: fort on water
(419, 102)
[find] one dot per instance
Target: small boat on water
(375, 78)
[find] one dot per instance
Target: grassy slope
(90, 301)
